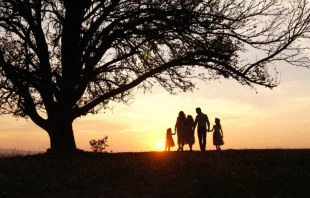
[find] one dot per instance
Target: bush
(99, 145)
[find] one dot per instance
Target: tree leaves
(81, 58)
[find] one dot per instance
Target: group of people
(185, 129)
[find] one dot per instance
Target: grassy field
(230, 173)
(15, 152)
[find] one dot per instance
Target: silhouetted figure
(169, 140)
(203, 122)
(180, 127)
(218, 134)
(190, 137)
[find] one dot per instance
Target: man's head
(198, 110)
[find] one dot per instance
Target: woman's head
(181, 114)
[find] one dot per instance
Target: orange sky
(276, 118)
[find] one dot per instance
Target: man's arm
(208, 123)
(195, 124)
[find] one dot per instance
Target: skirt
(217, 139)
(169, 142)
(190, 137)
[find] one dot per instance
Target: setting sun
(160, 144)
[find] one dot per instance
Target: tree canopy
(61, 59)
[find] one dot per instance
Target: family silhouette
(185, 130)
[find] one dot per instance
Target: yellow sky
(276, 118)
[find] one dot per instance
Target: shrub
(98, 145)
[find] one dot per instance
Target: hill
(230, 173)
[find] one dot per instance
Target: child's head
(217, 121)
(189, 117)
(169, 130)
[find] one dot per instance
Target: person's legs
(179, 146)
(200, 138)
(183, 143)
(219, 147)
(168, 148)
(204, 139)
(190, 147)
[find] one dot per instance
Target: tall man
(203, 121)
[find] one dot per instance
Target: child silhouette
(169, 139)
(218, 134)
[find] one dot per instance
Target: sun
(160, 144)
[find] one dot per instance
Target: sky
(277, 118)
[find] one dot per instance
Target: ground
(229, 173)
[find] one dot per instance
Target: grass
(230, 173)
(16, 153)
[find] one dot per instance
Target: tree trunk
(61, 137)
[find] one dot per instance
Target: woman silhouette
(180, 127)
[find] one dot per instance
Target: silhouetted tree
(61, 59)
(98, 145)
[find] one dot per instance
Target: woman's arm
(211, 129)
(176, 124)
(222, 132)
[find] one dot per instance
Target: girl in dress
(190, 138)
(169, 139)
(218, 134)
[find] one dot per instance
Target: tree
(98, 145)
(62, 59)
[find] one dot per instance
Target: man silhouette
(203, 121)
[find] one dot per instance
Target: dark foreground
(231, 173)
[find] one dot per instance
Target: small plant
(99, 145)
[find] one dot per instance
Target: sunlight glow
(160, 144)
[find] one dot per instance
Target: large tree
(61, 59)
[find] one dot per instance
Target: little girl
(218, 134)
(169, 140)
